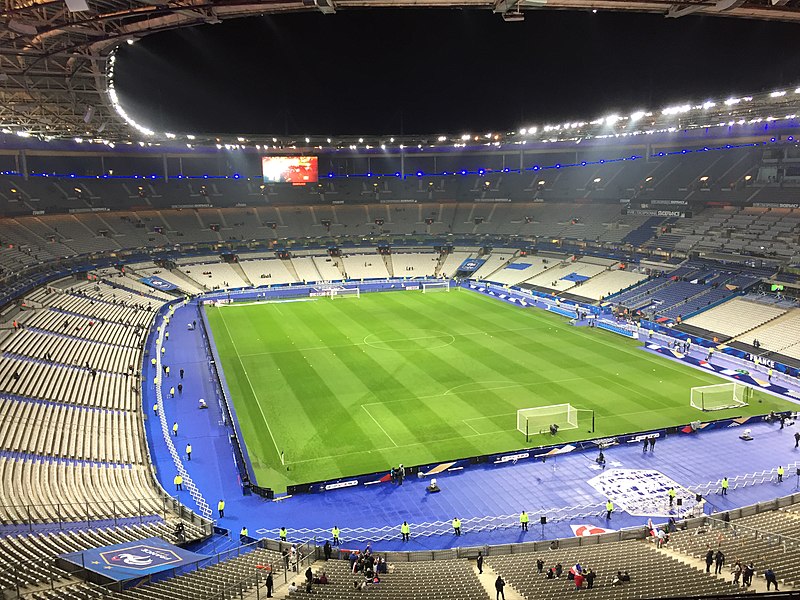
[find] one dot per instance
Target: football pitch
(355, 385)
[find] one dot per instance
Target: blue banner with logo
(471, 265)
(132, 559)
(158, 283)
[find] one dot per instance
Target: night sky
(449, 71)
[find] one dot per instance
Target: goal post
(435, 286)
(353, 292)
(721, 396)
(536, 420)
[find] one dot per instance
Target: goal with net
(721, 396)
(436, 286)
(344, 292)
(532, 421)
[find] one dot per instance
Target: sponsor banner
(652, 212)
(132, 559)
(471, 265)
(158, 283)
(776, 204)
(89, 210)
(669, 202)
(341, 484)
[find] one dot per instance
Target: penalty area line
(366, 410)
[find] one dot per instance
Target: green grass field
(350, 386)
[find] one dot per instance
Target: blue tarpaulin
(575, 277)
(132, 559)
(471, 265)
(158, 283)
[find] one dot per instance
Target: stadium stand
(778, 335)
(735, 317)
(364, 266)
(212, 579)
(521, 269)
(306, 268)
(439, 579)
(608, 283)
(415, 264)
(768, 540)
(267, 272)
(653, 574)
(70, 414)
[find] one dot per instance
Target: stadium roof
(57, 65)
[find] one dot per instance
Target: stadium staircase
(289, 267)
(177, 274)
(487, 580)
(237, 268)
(440, 264)
(387, 260)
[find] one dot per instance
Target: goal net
(531, 421)
(346, 293)
(436, 286)
(721, 396)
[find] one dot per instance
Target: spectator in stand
(769, 575)
(579, 580)
(747, 574)
(590, 575)
(737, 572)
(499, 584)
(719, 562)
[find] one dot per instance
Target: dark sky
(430, 71)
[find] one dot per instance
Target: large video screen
(296, 170)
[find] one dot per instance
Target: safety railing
(75, 515)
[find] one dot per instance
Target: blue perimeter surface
(485, 490)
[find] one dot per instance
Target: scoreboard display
(297, 170)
